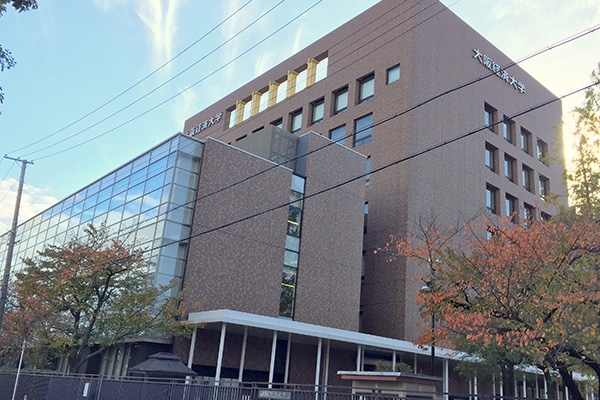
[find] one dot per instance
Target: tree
(583, 177)
(6, 59)
(94, 292)
(514, 293)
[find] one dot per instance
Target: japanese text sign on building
(497, 69)
(203, 125)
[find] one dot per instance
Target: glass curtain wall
(148, 202)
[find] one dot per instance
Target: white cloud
(160, 17)
(33, 201)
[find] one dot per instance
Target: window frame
(491, 157)
(392, 78)
(339, 140)
(366, 133)
(508, 131)
(509, 168)
(369, 80)
(489, 117)
(525, 140)
(491, 199)
(317, 108)
(294, 117)
(337, 95)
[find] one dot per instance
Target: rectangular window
(543, 187)
(528, 214)
(545, 216)
(526, 176)
(510, 206)
(366, 213)
(491, 194)
(542, 151)
(490, 157)
(507, 129)
(296, 121)
(368, 171)
(509, 168)
(340, 102)
(366, 88)
(338, 134)
(362, 130)
(393, 74)
(525, 141)
(278, 123)
(318, 109)
(489, 117)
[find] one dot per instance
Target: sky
(94, 85)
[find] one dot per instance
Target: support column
(445, 378)
(311, 72)
(326, 367)
(318, 366)
(220, 356)
(524, 387)
(288, 354)
(545, 388)
(394, 360)
(243, 355)
(192, 348)
(272, 365)
(475, 388)
(272, 99)
(291, 83)
(239, 112)
(358, 357)
(255, 103)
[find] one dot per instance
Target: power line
(178, 93)
(389, 165)
(138, 82)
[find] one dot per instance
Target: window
(278, 123)
(366, 212)
(368, 171)
(489, 117)
(542, 151)
(526, 175)
(510, 206)
(509, 168)
(546, 216)
(490, 157)
(393, 74)
(525, 141)
(543, 187)
(340, 102)
(318, 109)
(507, 129)
(338, 134)
(528, 214)
(296, 121)
(491, 194)
(366, 88)
(362, 130)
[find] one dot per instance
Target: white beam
(272, 365)
(243, 355)
(220, 356)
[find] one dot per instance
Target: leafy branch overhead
(91, 292)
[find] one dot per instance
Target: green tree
(525, 295)
(6, 59)
(92, 292)
(583, 177)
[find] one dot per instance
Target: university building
(270, 204)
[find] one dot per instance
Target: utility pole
(12, 238)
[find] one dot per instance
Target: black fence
(69, 387)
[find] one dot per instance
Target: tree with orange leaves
(89, 293)
(515, 293)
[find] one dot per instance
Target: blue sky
(73, 56)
